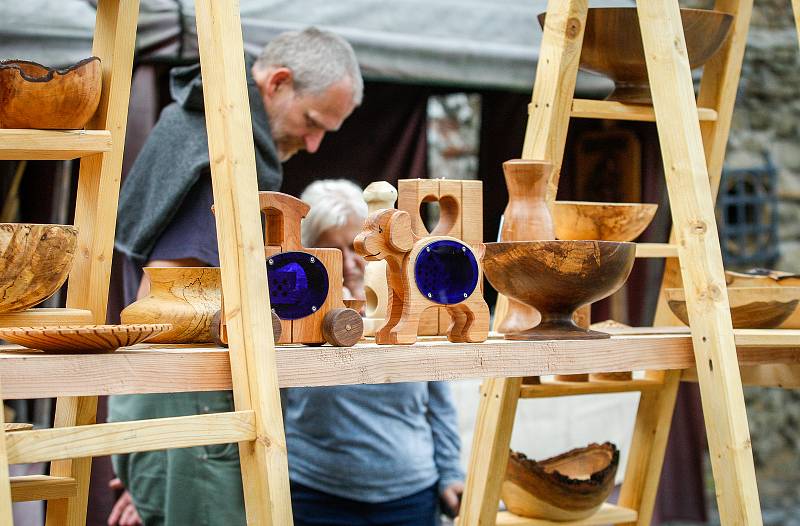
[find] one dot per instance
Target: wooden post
(699, 250)
(6, 516)
(265, 474)
(796, 9)
(95, 217)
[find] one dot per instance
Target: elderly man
(303, 85)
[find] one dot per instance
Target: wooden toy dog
(305, 284)
(425, 272)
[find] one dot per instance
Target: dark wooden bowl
(556, 278)
(567, 487)
(35, 260)
(751, 307)
(35, 96)
(604, 221)
(612, 46)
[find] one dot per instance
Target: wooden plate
(82, 338)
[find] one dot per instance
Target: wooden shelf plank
(46, 316)
(129, 437)
(606, 109)
(656, 250)
(551, 388)
(42, 487)
(607, 514)
(52, 144)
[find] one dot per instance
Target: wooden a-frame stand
(692, 175)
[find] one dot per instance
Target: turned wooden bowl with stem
(36, 96)
(612, 46)
(556, 278)
(35, 260)
(567, 487)
(601, 221)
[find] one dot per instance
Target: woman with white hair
(383, 454)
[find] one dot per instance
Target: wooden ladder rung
(607, 514)
(656, 250)
(130, 437)
(42, 487)
(551, 388)
(606, 109)
(52, 144)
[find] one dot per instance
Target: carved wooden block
(379, 195)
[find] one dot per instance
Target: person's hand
(451, 498)
(124, 512)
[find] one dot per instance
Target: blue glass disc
(446, 271)
(298, 284)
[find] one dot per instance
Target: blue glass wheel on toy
(298, 284)
(446, 271)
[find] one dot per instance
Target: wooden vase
(186, 297)
(526, 218)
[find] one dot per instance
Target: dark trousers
(316, 508)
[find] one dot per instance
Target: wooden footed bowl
(556, 278)
(35, 260)
(567, 487)
(612, 46)
(606, 221)
(751, 307)
(35, 96)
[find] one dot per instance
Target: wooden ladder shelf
(685, 126)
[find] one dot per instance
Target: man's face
(299, 121)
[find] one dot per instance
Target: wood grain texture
(751, 307)
(557, 277)
(612, 47)
(82, 338)
(35, 260)
(6, 515)
(128, 437)
(552, 388)
(46, 317)
(692, 206)
(773, 279)
(186, 297)
(265, 471)
(342, 327)
(379, 195)
(570, 486)
(51, 144)
(37, 96)
(42, 487)
(601, 221)
(608, 109)
(607, 514)
(388, 235)
(17, 426)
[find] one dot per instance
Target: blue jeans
(316, 508)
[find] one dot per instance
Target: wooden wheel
(342, 327)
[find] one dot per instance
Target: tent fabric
(469, 43)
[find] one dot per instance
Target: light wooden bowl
(556, 278)
(567, 487)
(82, 339)
(768, 278)
(605, 221)
(35, 96)
(612, 46)
(751, 307)
(35, 260)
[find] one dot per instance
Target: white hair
(333, 203)
(317, 58)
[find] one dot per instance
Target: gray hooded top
(174, 158)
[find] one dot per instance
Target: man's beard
(287, 147)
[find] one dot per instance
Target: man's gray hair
(333, 203)
(317, 59)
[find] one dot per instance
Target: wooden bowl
(35, 260)
(751, 307)
(556, 278)
(567, 487)
(35, 96)
(768, 278)
(612, 46)
(605, 221)
(80, 339)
